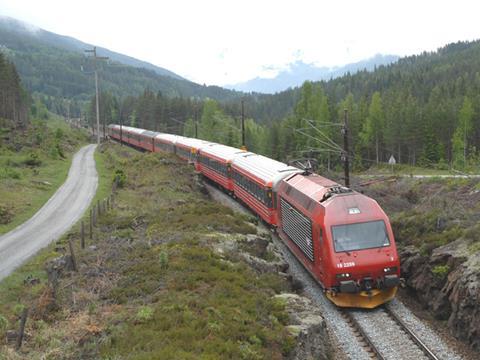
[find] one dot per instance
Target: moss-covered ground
(149, 285)
(428, 213)
(34, 162)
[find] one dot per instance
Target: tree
(373, 128)
(462, 133)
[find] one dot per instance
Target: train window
(268, 198)
(360, 236)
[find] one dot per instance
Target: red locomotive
(343, 238)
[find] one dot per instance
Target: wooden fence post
(91, 223)
(82, 235)
(23, 321)
(72, 253)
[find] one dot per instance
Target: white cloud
(220, 42)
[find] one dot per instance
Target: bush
(144, 314)
(163, 258)
(120, 178)
(6, 215)
(3, 325)
(9, 173)
(441, 271)
(32, 160)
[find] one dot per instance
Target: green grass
(33, 165)
(403, 169)
(153, 287)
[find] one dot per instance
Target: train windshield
(359, 236)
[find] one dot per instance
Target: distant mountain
(298, 72)
(56, 66)
(70, 43)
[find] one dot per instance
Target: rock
(308, 327)
(56, 267)
(30, 280)
(11, 336)
(452, 294)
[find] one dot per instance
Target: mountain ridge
(298, 72)
(70, 43)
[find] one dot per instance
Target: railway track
(384, 335)
(381, 333)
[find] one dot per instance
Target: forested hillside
(423, 110)
(53, 67)
(13, 99)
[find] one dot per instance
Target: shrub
(120, 177)
(5, 215)
(9, 173)
(441, 271)
(3, 325)
(32, 160)
(163, 258)
(144, 314)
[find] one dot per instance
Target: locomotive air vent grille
(298, 228)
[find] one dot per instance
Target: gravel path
(61, 211)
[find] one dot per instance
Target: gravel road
(57, 216)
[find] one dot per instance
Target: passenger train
(343, 238)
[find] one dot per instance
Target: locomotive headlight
(389, 270)
(343, 276)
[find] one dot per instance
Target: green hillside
(424, 109)
(51, 65)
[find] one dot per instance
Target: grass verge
(33, 165)
(150, 286)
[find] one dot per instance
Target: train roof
(193, 142)
(150, 133)
(222, 151)
(264, 168)
(136, 130)
(168, 137)
(314, 186)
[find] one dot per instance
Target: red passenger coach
(113, 131)
(135, 136)
(187, 149)
(256, 179)
(165, 142)
(215, 163)
(342, 237)
(147, 140)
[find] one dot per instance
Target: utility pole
(95, 58)
(465, 143)
(345, 149)
(121, 127)
(244, 147)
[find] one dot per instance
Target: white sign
(392, 160)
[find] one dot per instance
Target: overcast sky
(224, 42)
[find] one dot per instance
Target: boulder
(308, 327)
(448, 283)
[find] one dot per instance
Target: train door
(320, 251)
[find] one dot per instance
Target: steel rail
(358, 328)
(410, 333)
